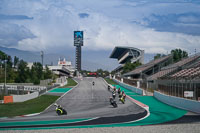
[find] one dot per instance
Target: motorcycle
(119, 91)
(120, 95)
(108, 88)
(60, 110)
(113, 102)
(113, 95)
(122, 100)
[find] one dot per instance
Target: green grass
(110, 81)
(1, 97)
(70, 83)
(28, 107)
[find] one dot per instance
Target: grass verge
(110, 81)
(28, 107)
(70, 83)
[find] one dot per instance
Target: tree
(157, 56)
(22, 72)
(47, 74)
(9, 62)
(16, 60)
(2, 55)
(130, 66)
(178, 54)
(100, 72)
(37, 73)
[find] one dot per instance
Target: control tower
(78, 42)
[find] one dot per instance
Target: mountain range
(91, 60)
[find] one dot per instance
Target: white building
(64, 68)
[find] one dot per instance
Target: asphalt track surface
(87, 101)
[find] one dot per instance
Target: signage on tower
(78, 38)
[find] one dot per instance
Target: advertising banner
(78, 38)
(188, 93)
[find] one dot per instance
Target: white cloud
(54, 23)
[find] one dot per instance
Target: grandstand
(179, 78)
(150, 68)
(125, 54)
(186, 62)
(170, 78)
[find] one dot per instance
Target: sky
(156, 26)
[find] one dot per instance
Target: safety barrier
(178, 102)
(134, 89)
(25, 88)
(22, 98)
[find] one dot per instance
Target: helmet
(55, 104)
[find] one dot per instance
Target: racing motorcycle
(60, 110)
(122, 99)
(113, 102)
(113, 95)
(108, 88)
(119, 91)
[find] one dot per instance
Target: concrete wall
(26, 88)
(178, 102)
(132, 88)
(22, 98)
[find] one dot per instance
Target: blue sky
(156, 26)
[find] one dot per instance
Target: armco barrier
(22, 98)
(129, 87)
(178, 102)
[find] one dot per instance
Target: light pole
(42, 56)
(5, 77)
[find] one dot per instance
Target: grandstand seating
(191, 63)
(187, 73)
(147, 66)
(161, 73)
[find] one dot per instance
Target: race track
(86, 101)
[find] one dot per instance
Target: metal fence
(189, 89)
(130, 81)
(185, 88)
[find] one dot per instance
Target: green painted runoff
(60, 90)
(159, 113)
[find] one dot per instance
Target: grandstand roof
(118, 68)
(119, 50)
(147, 66)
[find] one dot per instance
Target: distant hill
(29, 56)
(91, 60)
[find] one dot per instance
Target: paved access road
(88, 101)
